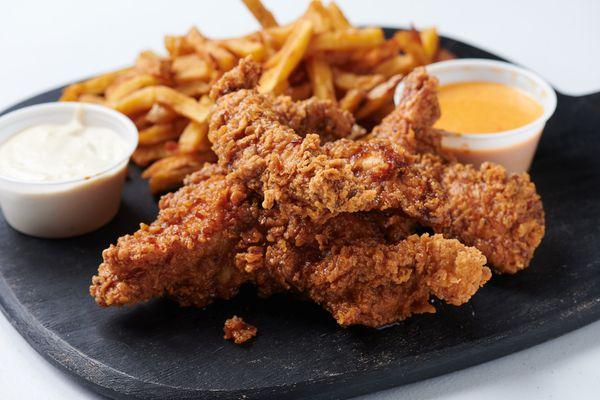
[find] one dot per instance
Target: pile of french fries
(320, 54)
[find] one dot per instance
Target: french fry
(276, 36)
(150, 63)
(210, 51)
(352, 99)
(123, 88)
(337, 17)
(194, 138)
(347, 80)
(194, 89)
(177, 46)
(95, 85)
(300, 92)
(260, 12)
(143, 99)
(92, 98)
(144, 155)
(378, 96)
(348, 39)
(319, 16)
(289, 56)
(244, 47)
(400, 64)
(321, 79)
(431, 43)
(168, 173)
(159, 114)
(158, 133)
(190, 67)
(410, 42)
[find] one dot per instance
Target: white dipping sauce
(62, 167)
(53, 152)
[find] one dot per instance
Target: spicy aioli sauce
(484, 107)
(55, 152)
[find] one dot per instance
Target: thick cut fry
(337, 17)
(144, 99)
(400, 64)
(95, 85)
(378, 96)
(210, 51)
(431, 43)
(352, 99)
(190, 67)
(260, 12)
(194, 89)
(290, 55)
(194, 138)
(347, 80)
(245, 47)
(348, 39)
(123, 88)
(321, 79)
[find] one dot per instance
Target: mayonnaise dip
(60, 152)
(63, 166)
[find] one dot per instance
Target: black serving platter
(161, 351)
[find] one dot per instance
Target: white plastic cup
(66, 208)
(515, 148)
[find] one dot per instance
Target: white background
(44, 44)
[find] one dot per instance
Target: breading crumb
(235, 328)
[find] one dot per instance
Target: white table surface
(47, 43)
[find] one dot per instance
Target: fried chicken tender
(294, 205)
(186, 252)
(499, 213)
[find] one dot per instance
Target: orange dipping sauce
(485, 107)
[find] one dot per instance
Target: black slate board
(161, 351)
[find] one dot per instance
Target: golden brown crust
(237, 329)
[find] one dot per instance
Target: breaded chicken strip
(499, 213)
(186, 252)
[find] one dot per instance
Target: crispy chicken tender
(289, 170)
(499, 213)
(186, 252)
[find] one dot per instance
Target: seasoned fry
(260, 12)
(289, 56)
(177, 46)
(319, 16)
(168, 173)
(349, 39)
(159, 114)
(190, 67)
(321, 78)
